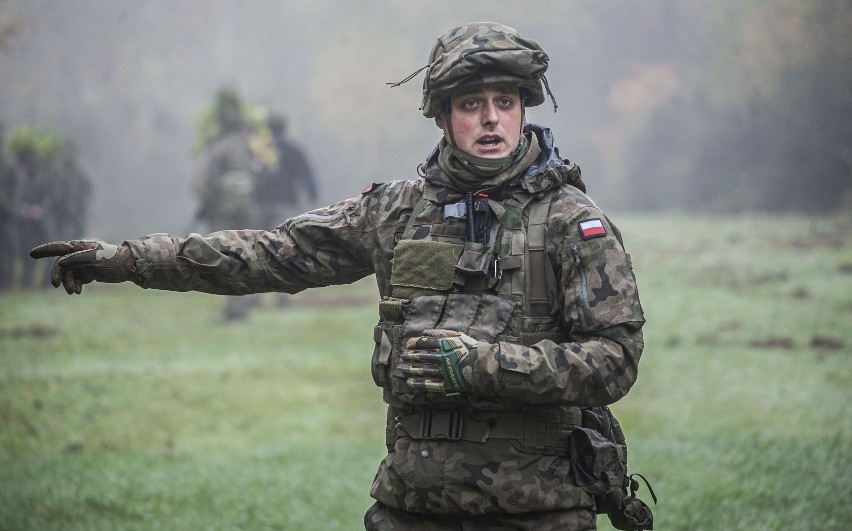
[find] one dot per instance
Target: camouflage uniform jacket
(534, 368)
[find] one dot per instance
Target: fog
(663, 104)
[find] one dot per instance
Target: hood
(549, 169)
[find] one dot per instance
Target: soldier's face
(486, 123)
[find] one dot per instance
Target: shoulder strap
(410, 227)
(538, 273)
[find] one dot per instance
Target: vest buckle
(441, 425)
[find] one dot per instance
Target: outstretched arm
(326, 246)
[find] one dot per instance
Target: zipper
(316, 217)
(584, 293)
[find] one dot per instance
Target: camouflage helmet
(483, 53)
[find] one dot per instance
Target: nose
(489, 114)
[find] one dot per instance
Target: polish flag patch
(592, 228)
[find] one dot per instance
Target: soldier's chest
(467, 246)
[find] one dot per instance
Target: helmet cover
(483, 53)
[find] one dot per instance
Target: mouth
(489, 141)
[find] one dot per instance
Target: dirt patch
(767, 278)
(800, 293)
(826, 343)
(782, 343)
(36, 331)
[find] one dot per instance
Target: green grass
(132, 409)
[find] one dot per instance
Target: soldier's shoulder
(387, 201)
(568, 200)
(395, 190)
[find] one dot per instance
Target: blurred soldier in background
(509, 315)
(72, 190)
(226, 180)
(286, 186)
(251, 175)
(47, 193)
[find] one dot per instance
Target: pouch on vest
(423, 267)
(477, 268)
(482, 316)
(385, 334)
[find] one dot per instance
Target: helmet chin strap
(481, 165)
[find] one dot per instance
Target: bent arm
(602, 320)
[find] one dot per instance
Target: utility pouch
(384, 335)
(597, 466)
(634, 514)
(423, 267)
(599, 455)
(476, 259)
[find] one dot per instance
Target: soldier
(509, 313)
(34, 151)
(286, 184)
(45, 194)
(71, 191)
(226, 181)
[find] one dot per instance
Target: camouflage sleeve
(330, 245)
(601, 318)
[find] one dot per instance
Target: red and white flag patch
(592, 228)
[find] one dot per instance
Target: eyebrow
(507, 91)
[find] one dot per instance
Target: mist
(726, 106)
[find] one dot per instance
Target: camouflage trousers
(380, 517)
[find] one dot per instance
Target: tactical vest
(491, 280)
(499, 288)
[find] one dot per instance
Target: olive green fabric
(423, 266)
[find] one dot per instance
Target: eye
(505, 102)
(469, 104)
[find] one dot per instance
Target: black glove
(84, 261)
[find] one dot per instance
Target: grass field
(132, 409)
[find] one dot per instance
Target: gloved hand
(439, 361)
(84, 261)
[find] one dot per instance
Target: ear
(439, 121)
